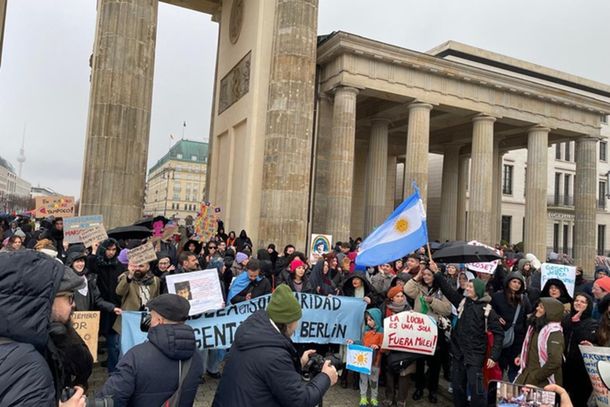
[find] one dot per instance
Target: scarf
(543, 337)
(396, 308)
(85, 290)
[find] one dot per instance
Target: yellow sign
(87, 324)
(58, 206)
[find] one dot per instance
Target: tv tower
(21, 156)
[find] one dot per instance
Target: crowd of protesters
(490, 326)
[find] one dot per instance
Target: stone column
(481, 180)
(585, 184)
(534, 239)
(496, 225)
(288, 139)
(341, 163)
(376, 175)
(116, 148)
(463, 163)
(390, 188)
(418, 140)
(449, 193)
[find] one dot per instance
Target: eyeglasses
(70, 298)
(212, 247)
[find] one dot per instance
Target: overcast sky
(44, 76)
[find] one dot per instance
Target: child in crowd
(372, 337)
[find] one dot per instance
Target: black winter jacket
(505, 310)
(579, 386)
(93, 301)
(263, 369)
(148, 373)
(28, 283)
(469, 340)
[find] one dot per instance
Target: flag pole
(429, 251)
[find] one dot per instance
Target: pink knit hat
(294, 264)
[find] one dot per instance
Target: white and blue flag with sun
(402, 233)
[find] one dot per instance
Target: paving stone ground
(335, 397)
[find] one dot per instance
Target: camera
(316, 363)
(68, 392)
(145, 322)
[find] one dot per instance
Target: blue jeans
(211, 359)
(113, 341)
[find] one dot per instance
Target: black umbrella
(130, 232)
(435, 245)
(465, 253)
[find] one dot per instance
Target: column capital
(539, 128)
(380, 120)
(483, 117)
(418, 104)
(588, 139)
(350, 89)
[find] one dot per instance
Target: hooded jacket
(468, 340)
(369, 291)
(263, 369)
(147, 375)
(534, 373)
(322, 281)
(564, 297)
(28, 283)
(374, 336)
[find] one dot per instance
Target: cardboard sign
(591, 356)
(319, 245)
(201, 288)
(73, 227)
(58, 206)
(142, 254)
(567, 274)
(410, 331)
(359, 359)
(94, 234)
(87, 325)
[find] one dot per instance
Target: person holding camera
(40, 352)
(263, 367)
(166, 367)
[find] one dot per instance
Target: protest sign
(206, 222)
(483, 267)
(201, 288)
(410, 331)
(142, 254)
(591, 356)
(319, 245)
(87, 325)
(567, 274)
(58, 206)
(73, 227)
(359, 359)
(325, 320)
(94, 234)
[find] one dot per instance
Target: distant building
(12, 186)
(43, 191)
(176, 183)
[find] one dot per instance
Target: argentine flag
(402, 233)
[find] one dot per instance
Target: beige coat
(440, 305)
(130, 296)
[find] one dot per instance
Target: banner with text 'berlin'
(332, 319)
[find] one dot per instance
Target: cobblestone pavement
(335, 397)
